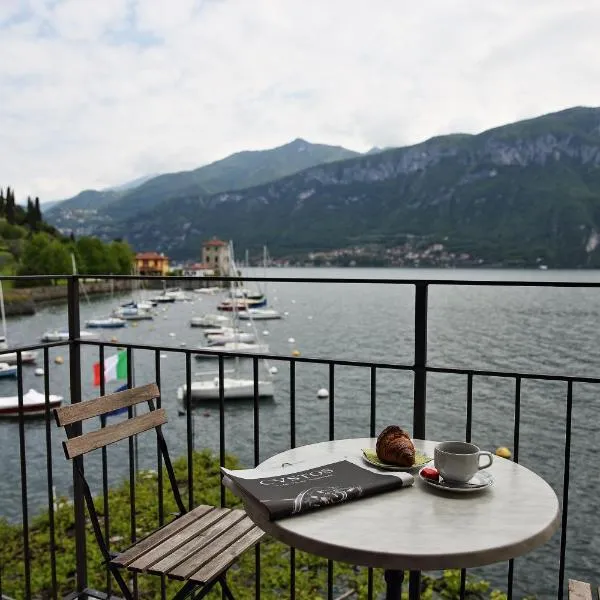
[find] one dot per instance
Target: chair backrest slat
(66, 415)
(113, 433)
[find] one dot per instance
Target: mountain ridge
(520, 192)
(236, 171)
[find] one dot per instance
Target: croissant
(394, 446)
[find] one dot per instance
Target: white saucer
(479, 481)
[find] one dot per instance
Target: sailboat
(234, 387)
(11, 358)
(109, 322)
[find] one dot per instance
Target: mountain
(521, 194)
(238, 171)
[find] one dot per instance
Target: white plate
(480, 481)
(369, 455)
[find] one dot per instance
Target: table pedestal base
(393, 585)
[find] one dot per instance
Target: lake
(535, 330)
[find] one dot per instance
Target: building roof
(151, 256)
(215, 242)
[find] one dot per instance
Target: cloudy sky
(98, 92)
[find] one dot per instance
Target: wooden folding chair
(198, 546)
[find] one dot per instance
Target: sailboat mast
(3, 312)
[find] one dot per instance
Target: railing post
(420, 395)
(420, 386)
(75, 386)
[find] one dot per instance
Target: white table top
(420, 528)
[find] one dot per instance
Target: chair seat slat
(131, 554)
(113, 433)
(178, 539)
(213, 550)
(66, 415)
(220, 562)
(579, 590)
(175, 558)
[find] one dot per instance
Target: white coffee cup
(459, 461)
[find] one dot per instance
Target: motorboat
(7, 370)
(260, 314)
(233, 389)
(56, 335)
(234, 348)
(27, 356)
(209, 320)
(34, 404)
(211, 291)
(133, 313)
(106, 323)
(230, 335)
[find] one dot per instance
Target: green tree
(10, 206)
(122, 256)
(95, 260)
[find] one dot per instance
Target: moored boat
(209, 320)
(233, 389)
(260, 314)
(56, 335)
(230, 335)
(234, 348)
(106, 323)
(7, 370)
(34, 404)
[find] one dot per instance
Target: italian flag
(115, 367)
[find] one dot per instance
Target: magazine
(286, 493)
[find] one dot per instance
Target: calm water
(538, 330)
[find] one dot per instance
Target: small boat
(55, 335)
(133, 313)
(163, 299)
(34, 404)
(143, 304)
(233, 389)
(106, 323)
(233, 347)
(260, 314)
(210, 321)
(208, 290)
(230, 335)
(7, 370)
(27, 356)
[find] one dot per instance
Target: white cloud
(96, 93)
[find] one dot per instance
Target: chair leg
(225, 588)
(187, 591)
(121, 582)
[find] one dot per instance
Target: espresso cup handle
(490, 458)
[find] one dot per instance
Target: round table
(418, 528)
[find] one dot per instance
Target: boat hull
(34, 405)
(27, 356)
(233, 389)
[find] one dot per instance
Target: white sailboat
(233, 348)
(11, 358)
(229, 334)
(59, 335)
(210, 321)
(233, 389)
(260, 314)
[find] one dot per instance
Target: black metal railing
(418, 368)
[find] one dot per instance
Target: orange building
(151, 263)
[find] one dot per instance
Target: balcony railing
(41, 465)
